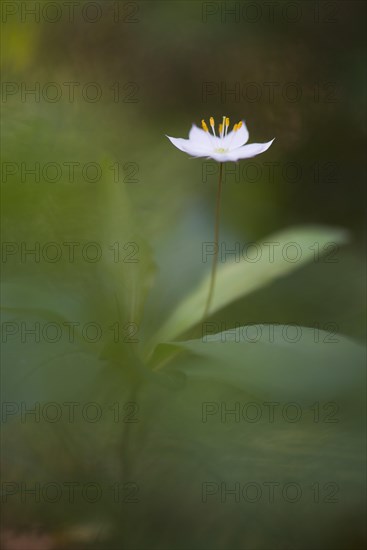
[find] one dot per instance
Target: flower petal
(236, 138)
(197, 135)
(248, 151)
(219, 157)
(187, 146)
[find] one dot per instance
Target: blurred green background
(140, 70)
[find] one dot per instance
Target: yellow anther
(239, 125)
(220, 128)
(235, 127)
(204, 126)
(211, 121)
(227, 122)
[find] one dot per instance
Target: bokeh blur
(90, 181)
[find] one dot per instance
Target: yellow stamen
(220, 129)
(204, 126)
(239, 125)
(212, 124)
(235, 127)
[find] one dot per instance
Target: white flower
(223, 147)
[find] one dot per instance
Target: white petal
(205, 139)
(248, 151)
(220, 157)
(187, 146)
(238, 138)
(199, 136)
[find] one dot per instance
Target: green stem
(216, 246)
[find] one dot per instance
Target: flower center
(221, 150)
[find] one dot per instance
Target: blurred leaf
(59, 301)
(235, 280)
(280, 361)
(205, 432)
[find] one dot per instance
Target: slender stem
(216, 246)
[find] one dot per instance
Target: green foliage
(237, 279)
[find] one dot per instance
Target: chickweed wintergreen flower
(222, 147)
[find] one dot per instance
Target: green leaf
(202, 433)
(278, 255)
(279, 361)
